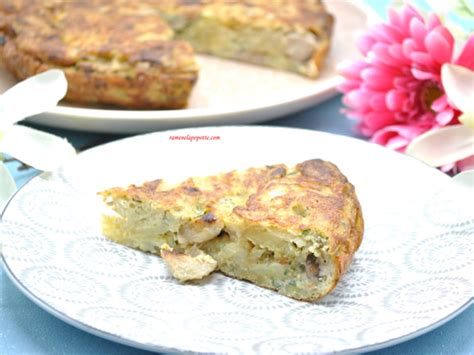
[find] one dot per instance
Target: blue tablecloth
(27, 329)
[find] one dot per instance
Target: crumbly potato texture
(290, 229)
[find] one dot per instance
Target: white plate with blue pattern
(411, 274)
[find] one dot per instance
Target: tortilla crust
(310, 204)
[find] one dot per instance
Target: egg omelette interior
(290, 229)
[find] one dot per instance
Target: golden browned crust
(313, 196)
(191, 190)
(322, 199)
(129, 59)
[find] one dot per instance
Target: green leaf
(463, 9)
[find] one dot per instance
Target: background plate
(227, 91)
(411, 274)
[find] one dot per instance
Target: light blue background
(27, 329)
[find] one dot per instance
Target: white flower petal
(458, 83)
(7, 186)
(443, 146)
(32, 96)
(41, 150)
(467, 119)
(465, 179)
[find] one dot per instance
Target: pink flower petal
(433, 22)
(423, 59)
(402, 82)
(447, 35)
(466, 164)
(357, 99)
(395, 18)
(466, 58)
(348, 99)
(413, 85)
(411, 132)
(397, 143)
(448, 167)
(418, 32)
(366, 131)
(351, 69)
(381, 51)
(440, 103)
(389, 139)
(389, 33)
(375, 61)
(384, 136)
(445, 117)
(377, 79)
(396, 52)
(394, 100)
(426, 119)
(377, 120)
(409, 46)
(365, 43)
(423, 75)
(438, 47)
(348, 85)
(354, 115)
(380, 34)
(407, 14)
(377, 103)
(397, 136)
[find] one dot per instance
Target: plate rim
(154, 347)
(186, 113)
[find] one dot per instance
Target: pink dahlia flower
(395, 92)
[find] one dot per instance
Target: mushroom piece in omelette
(290, 229)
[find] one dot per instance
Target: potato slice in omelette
(290, 229)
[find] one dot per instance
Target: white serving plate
(412, 273)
